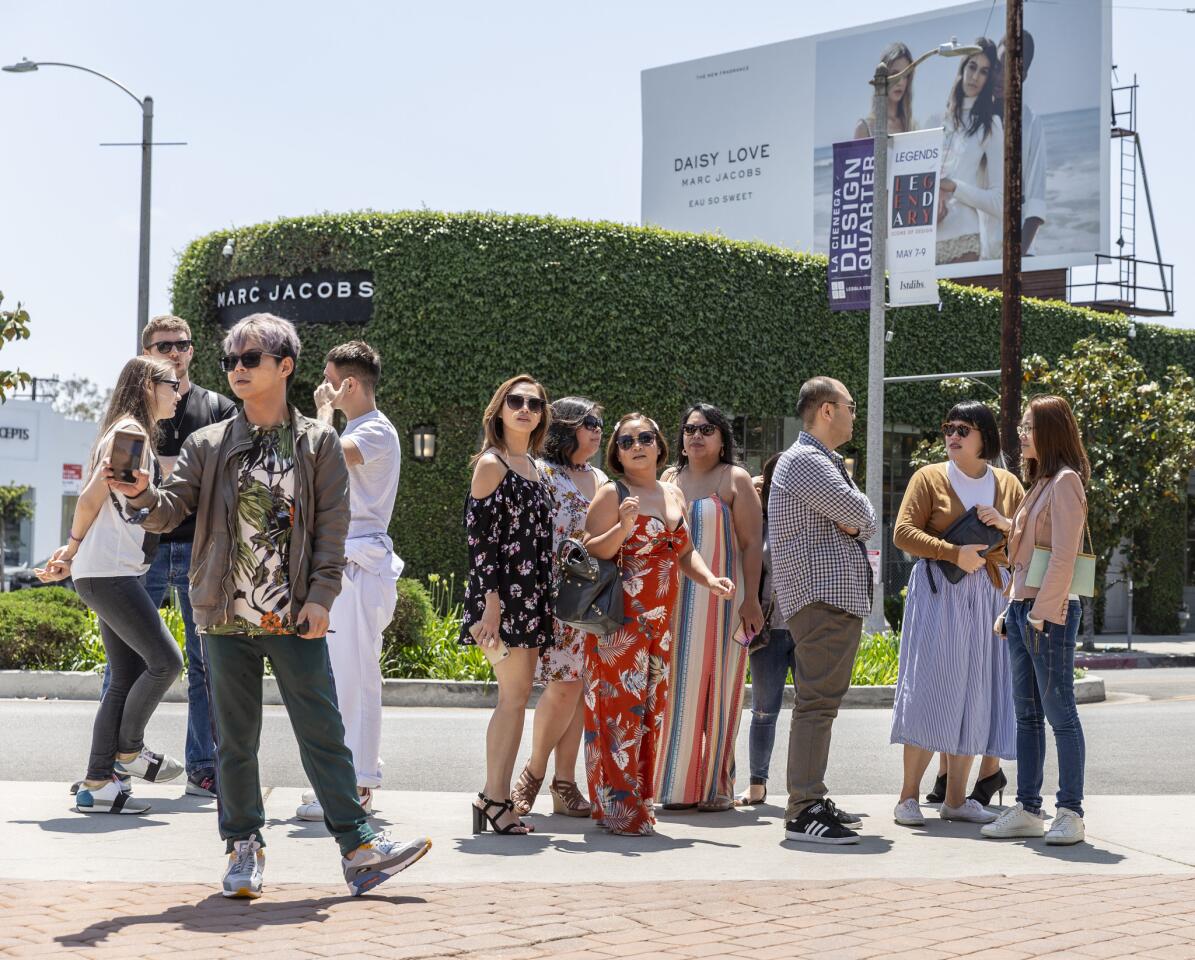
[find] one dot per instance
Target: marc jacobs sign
(326, 296)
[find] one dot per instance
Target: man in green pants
(269, 489)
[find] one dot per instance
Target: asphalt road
(1138, 742)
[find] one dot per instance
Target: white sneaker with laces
(380, 859)
(908, 813)
(972, 811)
(1014, 822)
(1066, 829)
(150, 766)
(246, 867)
(310, 808)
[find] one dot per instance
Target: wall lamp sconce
(423, 438)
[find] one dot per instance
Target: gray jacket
(204, 482)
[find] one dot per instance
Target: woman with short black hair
(573, 437)
(710, 637)
(954, 688)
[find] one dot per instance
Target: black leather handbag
(588, 590)
(966, 529)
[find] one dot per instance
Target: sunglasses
(515, 401)
(705, 429)
(166, 346)
(592, 423)
(950, 429)
(174, 383)
(249, 359)
(644, 439)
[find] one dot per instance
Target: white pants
(358, 617)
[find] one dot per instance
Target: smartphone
(496, 654)
(743, 636)
(128, 448)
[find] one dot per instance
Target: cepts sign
(327, 296)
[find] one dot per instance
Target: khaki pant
(825, 640)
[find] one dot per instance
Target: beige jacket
(1052, 515)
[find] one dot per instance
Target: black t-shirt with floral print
(510, 552)
(265, 517)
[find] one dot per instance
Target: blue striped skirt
(954, 690)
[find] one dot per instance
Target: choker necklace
(585, 467)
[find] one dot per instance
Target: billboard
(743, 143)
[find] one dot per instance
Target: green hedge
(633, 317)
(39, 628)
(1164, 541)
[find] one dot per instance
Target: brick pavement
(996, 918)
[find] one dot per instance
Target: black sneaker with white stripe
(852, 820)
(818, 823)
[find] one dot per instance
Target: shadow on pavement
(866, 845)
(92, 823)
(1077, 853)
(217, 914)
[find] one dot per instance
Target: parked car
(23, 578)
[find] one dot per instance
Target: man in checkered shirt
(818, 522)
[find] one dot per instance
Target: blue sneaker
(110, 798)
(246, 866)
(380, 859)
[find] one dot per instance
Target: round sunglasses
(644, 439)
(950, 429)
(515, 401)
(705, 429)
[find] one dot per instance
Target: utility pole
(1010, 310)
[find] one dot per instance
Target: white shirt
(972, 491)
(1033, 167)
(976, 164)
(373, 485)
(112, 547)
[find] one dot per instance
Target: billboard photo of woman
(900, 95)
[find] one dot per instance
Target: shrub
(39, 628)
(894, 608)
(878, 659)
(411, 615)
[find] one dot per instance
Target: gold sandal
(567, 799)
(525, 791)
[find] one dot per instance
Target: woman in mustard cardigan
(954, 690)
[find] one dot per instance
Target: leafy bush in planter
(40, 628)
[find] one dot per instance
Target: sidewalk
(1177, 650)
(720, 885)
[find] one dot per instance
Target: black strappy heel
(481, 816)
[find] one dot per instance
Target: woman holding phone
(107, 555)
(1042, 622)
(641, 521)
(508, 604)
(710, 636)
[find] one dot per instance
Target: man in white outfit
(369, 583)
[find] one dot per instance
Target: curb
(1132, 661)
(85, 685)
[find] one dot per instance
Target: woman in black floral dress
(508, 600)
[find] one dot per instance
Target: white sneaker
(310, 808)
(1066, 829)
(110, 798)
(1014, 822)
(908, 813)
(154, 767)
(308, 796)
(380, 859)
(246, 866)
(972, 811)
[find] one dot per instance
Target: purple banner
(848, 279)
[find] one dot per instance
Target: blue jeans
(769, 672)
(170, 569)
(1043, 688)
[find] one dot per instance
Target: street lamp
(147, 123)
(875, 358)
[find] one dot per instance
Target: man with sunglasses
(369, 586)
(818, 523)
(270, 491)
(169, 338)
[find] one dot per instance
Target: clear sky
(300, 107)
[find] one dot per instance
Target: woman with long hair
(709, 636)
(971, 191)
(772, 656)
(573, 437)
(508, 595)
(954, 691)
(641, 521)
(1042, 622)
(896, 58)
(107, 555)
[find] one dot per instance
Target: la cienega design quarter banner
(742, 143)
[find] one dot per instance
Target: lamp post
(875, 353)
(147, 126)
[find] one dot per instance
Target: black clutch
(967, 529)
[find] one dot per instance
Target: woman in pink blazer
(1043, 623)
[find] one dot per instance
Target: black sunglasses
(644, 439)
(249, 359)
(705, 429)
(592, 423)
(950, 429)
(165, 346)
(174, 383)
(515, 401)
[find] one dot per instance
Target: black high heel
(481, 816)
(938, 793)
(987, 786)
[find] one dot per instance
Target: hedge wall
(634, 317)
